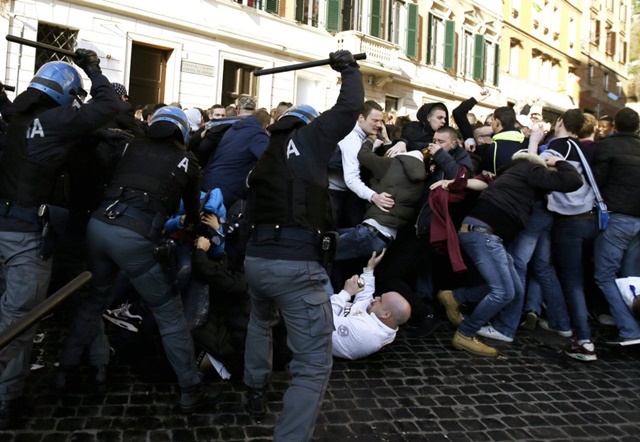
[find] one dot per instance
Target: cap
(525, 121)
(246, 103)
(120, 89)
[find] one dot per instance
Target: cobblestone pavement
(413, 390)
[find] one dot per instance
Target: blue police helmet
(173, 115)
(303, 111)
(60, 81)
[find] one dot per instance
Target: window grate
(57, 36)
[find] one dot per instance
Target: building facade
(201, 52)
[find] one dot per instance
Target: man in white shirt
(367, 324)
(370, 123)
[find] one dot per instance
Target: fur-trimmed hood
(531, 157)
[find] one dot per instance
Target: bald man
(367, 324)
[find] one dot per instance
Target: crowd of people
(249, 239)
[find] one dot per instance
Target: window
(468, 45)
(591, 73)
(594, 37)
(59, 37)
(441, 38)
(340, 16)
(514, 55)
(611, 44)
(267, 5)
(307, 12)
(605, 82)
(491, 62)
(375, 25)
(535, 66)
(412, 30)
(396, 19)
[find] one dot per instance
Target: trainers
(530, 321)
(544, 324)
(122, 317)
(473, 345)
(451, 306)
(582, 352)
(489, 332)
(606, 320)
(624, 341)
(256, 403)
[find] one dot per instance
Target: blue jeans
(358, 242)
(610, 249)
(534, 244)
(502, 284)
(27, 280)
(297, 290)
(570, 236)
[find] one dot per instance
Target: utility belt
(591, 214)
(120, 214)
(326, 243)
(52, 219)
(26, 214)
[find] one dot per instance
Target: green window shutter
(300, 10)
(478, 58)
(333, 15)
(430, 38)
(496, 66)
(449, 44)
(272, 6)
(376, 17)
(412, 31)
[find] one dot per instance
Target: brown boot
(451, 305)
(473, 345)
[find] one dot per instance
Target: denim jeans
(358, 242)
(570, 236)
(610, 249)
(534, 244)
(504, 287)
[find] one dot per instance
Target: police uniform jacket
(151, 178)
(289, 185)
(39, 144)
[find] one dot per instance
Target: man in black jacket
(616, 167)
(48, 114)
(290, 209)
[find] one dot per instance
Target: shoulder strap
(587, 171)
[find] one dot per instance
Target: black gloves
(87, 60)
(341, 60)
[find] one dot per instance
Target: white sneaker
(489, 332)
(123, 318)
(544, 324)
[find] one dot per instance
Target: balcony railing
(378, 51)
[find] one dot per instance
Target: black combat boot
(257, 402)
(196, 397)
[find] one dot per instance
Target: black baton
(309, 64)
(37, 44)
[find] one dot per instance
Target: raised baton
(308, 64)
(37, 44)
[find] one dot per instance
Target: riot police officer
(45, 124)
(152, 176)
(289, 210)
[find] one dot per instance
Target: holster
(328, 247)
(54, 222)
